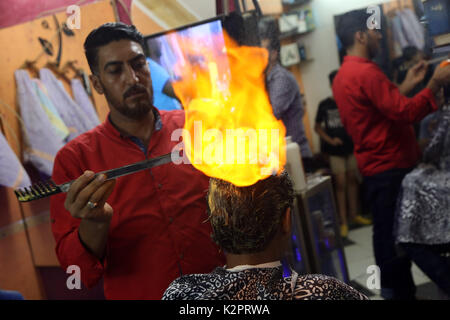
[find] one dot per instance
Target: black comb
(45, 189)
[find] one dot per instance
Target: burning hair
(246, 219)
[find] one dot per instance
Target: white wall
(203, 9)
(321, 46)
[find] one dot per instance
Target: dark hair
(106, 34)
(246, 219)
(409, 53)
(349, 24)
(152, 48)
(332, 75)
(268, 29)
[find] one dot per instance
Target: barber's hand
(441, 77)
(440, 98)
(87, 189)
(417, 73)
(336, 142)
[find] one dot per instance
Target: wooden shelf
(294, 34)
(442, 39)
(290, 6)
(307, 60)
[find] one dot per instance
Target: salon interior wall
(20, 39)
(322, 47)
(151, 16)
(20, 250)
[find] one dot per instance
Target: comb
(48, 188)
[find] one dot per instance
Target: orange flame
(230, 130)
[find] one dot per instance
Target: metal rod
(35, 192)
(225, 7)
(237, 6)
(244, 5)
(257, 7)
(438, 59)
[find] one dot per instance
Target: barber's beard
(138, 111)
(374, 49)
(372, 54)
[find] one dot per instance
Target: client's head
(253, 220)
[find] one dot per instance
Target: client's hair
(246, 219)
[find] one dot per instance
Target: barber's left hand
(417, 73)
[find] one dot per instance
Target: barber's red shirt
(158, 231)
(378, 117)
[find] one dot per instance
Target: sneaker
(344, 231)
(361, 220)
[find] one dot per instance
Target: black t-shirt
(328, 114)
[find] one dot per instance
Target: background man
(339, 147)
(284, 92)
(378, 117)
(164, 97)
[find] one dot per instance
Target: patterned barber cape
(259, 284)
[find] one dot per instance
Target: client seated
(252, 225)
(423, 216)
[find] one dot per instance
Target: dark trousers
(433, 260)
(382, 191)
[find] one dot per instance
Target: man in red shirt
(144, 230)
(379, 119)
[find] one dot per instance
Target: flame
(230, 131)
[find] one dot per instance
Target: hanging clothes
(42, 142)
(58, 124)
(82, 99)
(413, 30)
(73, 116)
(12, 173)
(407, 30)
(400, 41)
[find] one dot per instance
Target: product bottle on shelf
(294, 165)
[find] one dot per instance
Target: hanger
(57, 71)
(79, 72)
(404, 4)
(71, 65)
(31, 66)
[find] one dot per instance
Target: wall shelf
(295, 5)
(307, 60)
(294, 34)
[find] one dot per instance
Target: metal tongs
(48, 188)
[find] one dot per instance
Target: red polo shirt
(378, 117)
(158, 231)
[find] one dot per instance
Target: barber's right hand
(442, 75)
(416, 73)
(86, 190)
